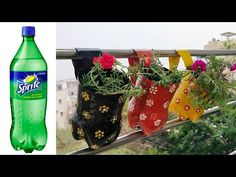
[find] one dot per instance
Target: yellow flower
(103, 109)
(85, 96)
(94, 146)
(86, 115)
(80, 132)
(114, 119)
(99, 134)
(121, 99)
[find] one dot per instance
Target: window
(70, 121)
(59, 87)
(60, 101)
(71, 93)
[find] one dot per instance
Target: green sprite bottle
(28, 95)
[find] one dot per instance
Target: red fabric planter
(150, 111)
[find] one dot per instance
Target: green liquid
(28, 130)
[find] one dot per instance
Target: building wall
(213, 45)
(66, 102)
(62, 109)
(72, 87)
(61, 85)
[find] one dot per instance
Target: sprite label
(28, 85)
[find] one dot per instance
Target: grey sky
(135, 35)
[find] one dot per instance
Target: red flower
(147, 62)
(146, 56)
(106, 60)
(96, 59)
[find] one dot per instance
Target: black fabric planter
(84, 65)
(98, 117)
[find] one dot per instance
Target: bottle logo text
(30, 83)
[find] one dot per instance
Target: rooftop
(228, 34)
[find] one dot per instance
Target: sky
(134, 36)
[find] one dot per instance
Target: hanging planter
(150, 110)
(181, 103)
(204, 87)
(98, 118)
(103, 90)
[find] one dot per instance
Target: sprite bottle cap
(28, 31)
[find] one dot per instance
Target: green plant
(153, 69)
(212, 135)
(211, 85)
(108, 77)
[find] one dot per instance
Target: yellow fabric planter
(181, 103)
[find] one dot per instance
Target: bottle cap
(28, 31)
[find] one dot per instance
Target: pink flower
(233, 67)
(106, 60)
(199, 64)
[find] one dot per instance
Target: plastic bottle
(28, 95)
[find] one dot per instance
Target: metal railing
(67, 54)
(63, 54)
(233, 153)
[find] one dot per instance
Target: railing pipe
(63, 54)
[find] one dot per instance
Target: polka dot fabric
(150, 111)
(181, 104)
